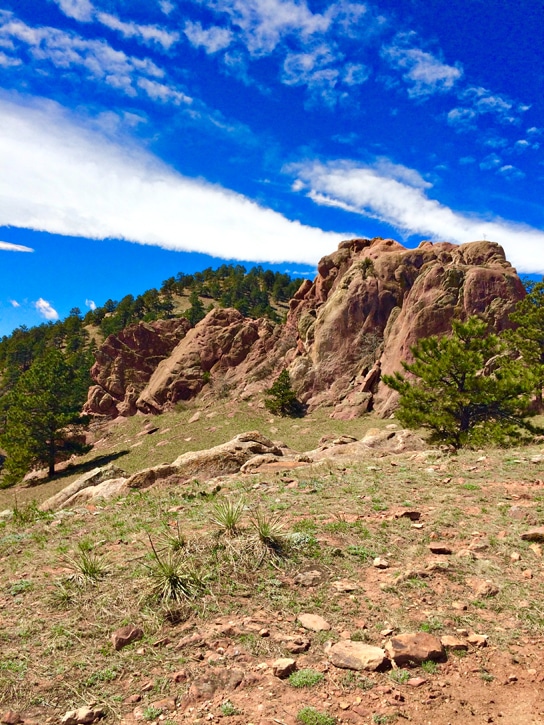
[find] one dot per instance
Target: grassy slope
(56, 651)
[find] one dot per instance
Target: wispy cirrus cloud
(127, 193)
(148, 34)
(46, 309)
(400, 199)
(424, 73)
(9, 247)
(211, 39)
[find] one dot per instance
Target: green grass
(305, 678)
(311, 716)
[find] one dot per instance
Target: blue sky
(143, 138)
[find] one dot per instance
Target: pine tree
(528, 337)
(281, 398)
(465, 388)
(45, 400)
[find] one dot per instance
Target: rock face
(125, 362)
(370, 302)
(373, 299)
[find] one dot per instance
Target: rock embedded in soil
(11, 718)
(359, 656)
(283, 667)
(536, 534)
(483, 587)
(414, 648)
(83, 716)
(314, 622)
(478, 640)
(453, 643)
(440, 548)
(126, 635)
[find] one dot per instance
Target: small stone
(283, 667)
(440, 548)
(453, 643)
(124, 636)
(356, 656)
(515, 556)
(536, 549)
(387, 632)
(11, 718)
(314, 622)
(264, 632)
(83, 716)
(344, 705)
(478, 640)
(414, 648)
(483, 588)
(167, 703)
(527, 574)
(466, 554)
(132, 699)
(297, 645)
(536, 534)
(459, 606)
(416, 681)
(309, 578)
(380, 563)
(344, 585)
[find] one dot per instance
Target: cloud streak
(9, 247)
(69, 180)
(46, 309)
(399, 198)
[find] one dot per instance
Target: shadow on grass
(74, 468)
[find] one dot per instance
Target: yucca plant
(173, 538)
(226, 514)
(173, 577)
(88, 567)
(269, 531)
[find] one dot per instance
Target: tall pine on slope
(36, 412)
(465, 388)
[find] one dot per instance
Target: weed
(226, 514)
(173, 538)
(360, 552)
(19, 587)
(151, 713)
(107, 675)
(430, 626)
(429, 666)
(305, 678)
(401, 677)
(486, 676)
(311, 716)
(28, 513)
(381, 719)
(228, 709)
(359, 636)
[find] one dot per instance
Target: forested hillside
(257, 293)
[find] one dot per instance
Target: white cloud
(265, 23)
(462, 119)
(46, 310)
(14, 303)
(211, 39)
(150, 34)
(66, 51)
(161, 92)
(81, 10)
(368, 191)
(8, 247)
(66, 179)
(91, 304)
(423, 72)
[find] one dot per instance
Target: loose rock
(351, 655)
(124, 636)
(314, 622)
(283, 667)
(414, 648)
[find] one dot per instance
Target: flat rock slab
(453, 643)
(351, 655)
(414, 648)
(314, 622)
(440, 548)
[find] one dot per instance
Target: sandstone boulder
(357, 656)
(414, 648)
(90, 479)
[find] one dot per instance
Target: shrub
(281, 398)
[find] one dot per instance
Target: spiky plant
(173, 577)
(269, 531)
(226, 514)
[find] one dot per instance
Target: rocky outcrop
(370, 302)
(125, 362)
(223, 349)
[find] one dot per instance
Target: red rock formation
(125, 362)
(371, 301)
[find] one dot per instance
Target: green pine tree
(528, 337)
(45, 400)
(465, 388)
(281, 398)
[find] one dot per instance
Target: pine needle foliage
(281, 399)
(465, 388)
